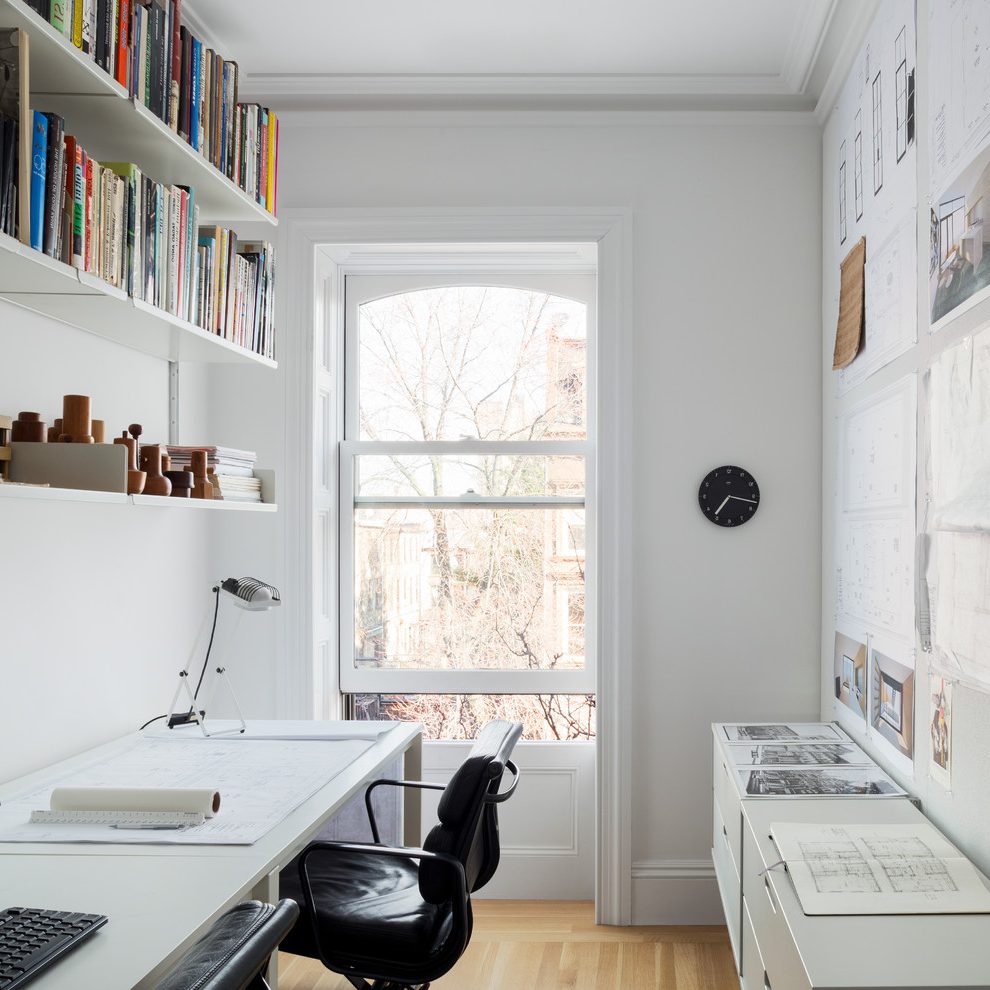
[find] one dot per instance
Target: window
(858, 166)
(842, 193)
(877, 136)
(465, 501)
(901, 92)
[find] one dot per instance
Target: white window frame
(365, 679)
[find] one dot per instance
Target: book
(14, 105)
(54, 185)
(175, 69)
(77, 23)
(39, 177)
(58, 15)
(121, 59)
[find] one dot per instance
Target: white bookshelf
(114, 127)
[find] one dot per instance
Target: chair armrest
(459, 902)
(505, 795)
(421, 785)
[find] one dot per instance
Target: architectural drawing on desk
(815, 754)
(838, 868)
(817, 781)
(850, 673)
(794, 732)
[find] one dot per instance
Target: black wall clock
(729, 496)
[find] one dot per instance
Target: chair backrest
(468, 826)
(232, 954)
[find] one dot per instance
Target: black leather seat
(402, 917)
(236, 949)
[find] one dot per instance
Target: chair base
(360, 984)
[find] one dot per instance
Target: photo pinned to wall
(892, 700)
(850, 680)
(959, 166)
(940, 728)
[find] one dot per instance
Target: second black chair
(402, 917)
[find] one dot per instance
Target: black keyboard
(32, 939)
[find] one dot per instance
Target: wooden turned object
(55, 431)
(99, 431)
(151, 464)
(135, 479)
(77, 420)
(202, 488)
(29, 428)
(182, 483)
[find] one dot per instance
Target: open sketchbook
(878, 869)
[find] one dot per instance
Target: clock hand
(722, 506)
(739, 498)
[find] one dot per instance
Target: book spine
(58, 15)
(68, 193)
(121, 60)
(263, 158)
(175, 67)
(112, 37)
(146, 16)
(101, 33)
(194, 95)
(78, 208)
(39, 173)
(181, 295)
(77, 23)
(201, 109)
(89, 215)
(133, 63)
(89, 28)
(53, 179)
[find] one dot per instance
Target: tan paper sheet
(851, 324)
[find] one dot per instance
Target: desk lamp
(249, 595)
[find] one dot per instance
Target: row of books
(194, 90)
(8, 174)
(142, 236)
(230, 471)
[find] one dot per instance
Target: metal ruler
(119, 819)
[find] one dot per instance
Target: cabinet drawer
(781, 962)
(753, 975)
(728, 803)
(729, 889)
(722, 842)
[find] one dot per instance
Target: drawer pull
(725, 835)
(766, 884)
(766, 981)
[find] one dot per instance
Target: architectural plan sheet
(813, 754)
(870, 140)
(784, 732)
(260, 783)
(810, 782)
(875, 519)
(958, 574)
(281, 729)
(878, 869)
(959, 142)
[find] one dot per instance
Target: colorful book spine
(194, 94)
(88, 210)
(175, 66)
(77, 23)
(39, 173)
(121, 59)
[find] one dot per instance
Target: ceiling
(726, 54)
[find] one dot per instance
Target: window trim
(358, 679)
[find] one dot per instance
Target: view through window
(465, 484)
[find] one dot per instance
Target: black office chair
(389, 917)
(234, 952)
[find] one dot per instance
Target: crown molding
(858, 24)
(806, 42)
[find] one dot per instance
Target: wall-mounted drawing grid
(877, 136)
(842, 194)
(858, 166)
(901, 92)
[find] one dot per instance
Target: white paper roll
(200, 800)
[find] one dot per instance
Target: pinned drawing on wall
(940, 727)
(872, 137)
(959, 141)
(892, 701)
(852, 306)
(851, 673)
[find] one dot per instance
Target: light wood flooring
(555, 945)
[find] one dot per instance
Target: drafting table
(161, 898)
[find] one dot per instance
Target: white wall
(101, 603)
(962, 812)
(726, 268)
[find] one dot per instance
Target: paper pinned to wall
(892, 696)
(849, 326)
(940, 728)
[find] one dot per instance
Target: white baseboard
(675, 892)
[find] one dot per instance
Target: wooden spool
(202, 488)
(99, 431)
(77, 420)
(29, 428)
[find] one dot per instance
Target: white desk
(160, 898)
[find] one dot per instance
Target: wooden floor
(555, 945)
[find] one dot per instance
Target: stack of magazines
(231, 471)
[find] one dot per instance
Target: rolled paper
(199, 800)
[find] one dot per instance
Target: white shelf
(112, 126)
(59, 494)
(164, 501)
(34, 281)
